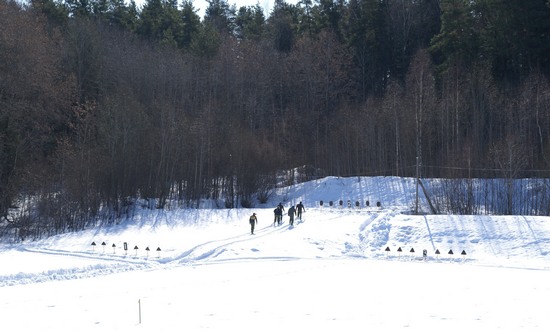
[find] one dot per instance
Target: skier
(253, 221)
(291, 213)
(280, 205)
(300, 208)
(278, 216)
(275, 212)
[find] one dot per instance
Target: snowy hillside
(337, 269)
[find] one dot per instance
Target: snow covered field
(333, 271)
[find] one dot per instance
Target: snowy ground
(330, 272)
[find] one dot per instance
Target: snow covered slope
(338, 269)
(188, 237)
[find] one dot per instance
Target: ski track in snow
(215, 248)
(211, 252)
(105, 264)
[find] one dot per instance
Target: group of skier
(278, 211)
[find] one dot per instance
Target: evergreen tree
(283, 24)
(411, 26)
(122, 15)
(515, 36)
(250, 23)
(329, 15)
(191, 24)
(56, 12)
(207, 42)
(307, 24)
(80, 8)
(160, 20)
(221, 16)
(367, 38)
(458, 41)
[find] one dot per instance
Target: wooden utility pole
(417, 181)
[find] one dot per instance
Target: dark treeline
(103, 102)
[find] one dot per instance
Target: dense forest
(103, 102)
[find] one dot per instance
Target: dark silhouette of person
(300, 208)
(253, 221)
(291, 213)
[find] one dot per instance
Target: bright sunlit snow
(339, 269)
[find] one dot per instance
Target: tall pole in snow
(139, 310)
(417, 179)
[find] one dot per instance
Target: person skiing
(300, 208)
(253, 221)
(280, 205)
(291, 213)
(278, 216)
